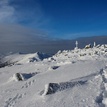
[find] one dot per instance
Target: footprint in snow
(27, 84)
(102, 98)
(12, 101)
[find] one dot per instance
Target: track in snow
(102, 98)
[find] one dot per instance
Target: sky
(50, 25)
(61, 19)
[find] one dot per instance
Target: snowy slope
(24, 58)
(74, 78)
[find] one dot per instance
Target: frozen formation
(70, 78)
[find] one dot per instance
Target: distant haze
(19, 39)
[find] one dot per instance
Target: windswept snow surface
(74, 78)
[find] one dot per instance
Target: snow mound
(22, 76)
(53, 67)
(52, 88)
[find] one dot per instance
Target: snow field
(74, 78)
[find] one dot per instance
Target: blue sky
(66, 19)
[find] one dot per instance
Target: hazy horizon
(39, 25)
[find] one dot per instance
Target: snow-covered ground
(74, 78)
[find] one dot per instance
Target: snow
(70, 78)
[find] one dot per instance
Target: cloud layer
(15, 38)
(17, 33)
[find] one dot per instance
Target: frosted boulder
(19, 77)
(50, 88)
(16, 77)
(23, 76)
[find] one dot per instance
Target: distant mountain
(21, 58)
